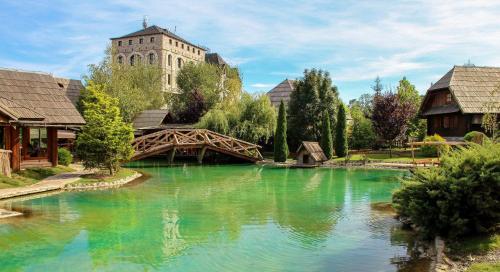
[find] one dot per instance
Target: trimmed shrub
(461, 197)
(432, 150)
(64, 156)
(475, 137)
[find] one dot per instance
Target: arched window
(135, 58)
(151, 58)
(169, 60)
(132, 60)
(120, 59)
(179, 63)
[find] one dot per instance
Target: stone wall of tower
(167, 52)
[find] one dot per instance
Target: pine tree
(280, 144)
(341, 132)
(104, 141)
(326, 136)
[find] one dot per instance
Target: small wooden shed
(310, 154)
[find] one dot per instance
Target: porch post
(52, 145)
(13, 143)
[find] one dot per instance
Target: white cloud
(262, 85)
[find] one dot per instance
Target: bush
(432, 150)
(64, 156)
(475, 137)
(461, 197)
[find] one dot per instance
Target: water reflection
(214, 218)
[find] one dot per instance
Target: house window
(477, 119)
(119, 43)
(152, 40)
(151, 58)
(120, 59)
(169, 60)
(37, 146)
(168, 79)
(446, 122)
(448, 98)
(129, 42)
(179, 63)
(141, 40)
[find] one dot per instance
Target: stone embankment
(100, 185)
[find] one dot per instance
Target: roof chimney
(145, 22)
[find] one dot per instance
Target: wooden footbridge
(170, 141)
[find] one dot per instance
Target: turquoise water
(213, 218)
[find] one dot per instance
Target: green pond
(214, 218)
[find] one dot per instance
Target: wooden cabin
(455, 104)
(310, 154)
(33, 107)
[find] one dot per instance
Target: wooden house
(33, 107)
(310, 154)
(455, 104)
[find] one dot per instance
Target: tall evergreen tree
(280, 144)
(326, 136)
(341, 132)
(104, 141)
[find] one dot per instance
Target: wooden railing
(170, 140)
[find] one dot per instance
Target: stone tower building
(156, 45)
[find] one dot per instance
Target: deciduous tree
(326, 142)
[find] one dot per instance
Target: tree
(280, 144)
(197, 107)
(313, 95)
(390, 117)
(215, 84)
(136, 88)
(361, 133)
(490, 121)
(377, 88)
(407, 93)
(341, 132)
(104, 141)
(326, 136)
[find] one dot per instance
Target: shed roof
(281, 92)
(31, 97)
(153, 30)
(150, 119)
(471, 86)
(314, 149)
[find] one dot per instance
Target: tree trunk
(390, 149)
(111, 169)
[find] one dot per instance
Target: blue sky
(268, 40)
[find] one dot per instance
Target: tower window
(198, 51)
(176, 44)
(170, 41)
(179, 63)
(188, 48)
(182, 46)
(152, 39)
(141, 40)
(168, 79)
(129, 42)
(193, 50)
(151, 58)
(119, 43)
(169, 60)
(132, 60)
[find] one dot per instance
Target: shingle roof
(153, 30)
(314, 150)
(214, 58)
(471, 87)
(281, 92)
(150, 119)
(71, 88)
(36, 97)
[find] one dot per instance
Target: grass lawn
(31, 176)
(477, 245)
(103, 176)
(383, 156)
(484, 267)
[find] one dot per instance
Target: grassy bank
(476, 253)
(31, 176)
(103, 176)
(397, 157)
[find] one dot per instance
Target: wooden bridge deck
(170, 140)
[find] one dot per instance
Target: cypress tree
(326, 136)
(341, 132)
(280, 144)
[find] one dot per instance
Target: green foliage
(361, 133)
(407, 93)
(218, 85)
(64, 156)
(491, 118)
(313, 95)
(341, 132)
(432, 150)
(326, 136)
(475, 137)
(461, 197)
(280, 144)
(104, 141)
(136, 88)
(251, 119)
